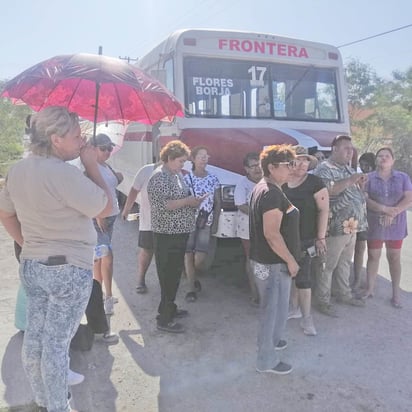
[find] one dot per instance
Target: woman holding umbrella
(47, 206)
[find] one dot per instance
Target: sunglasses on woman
(290, 164)
(106, 148)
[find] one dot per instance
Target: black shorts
(145, 239)
(362, 236)
(303, 279)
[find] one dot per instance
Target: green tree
(363, 83)
(12, 125)
(381, 112)
(395, 109)
(363, 86)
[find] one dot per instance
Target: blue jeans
(57, 297)
(104, 239)
(199, 240)
(274, 293)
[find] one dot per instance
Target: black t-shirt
(265, 197)
(302, 198)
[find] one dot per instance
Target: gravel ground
(358, 362)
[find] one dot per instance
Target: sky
(35, 30)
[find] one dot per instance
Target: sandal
(396, 304)
(198, 286)
(141, 289)
(191, 297)
(367, 296)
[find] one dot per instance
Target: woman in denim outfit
(103, 252)
(47, 207)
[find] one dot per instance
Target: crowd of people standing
(300, 218)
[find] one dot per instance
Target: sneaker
(327, 309)
(308, 327)
(351, 301)
(295, 313)
(115, 299)
(107, 337)
(180, 313)
(108, 305)
(282, 344)
(74, 378)
(171, 327)
(280, 369)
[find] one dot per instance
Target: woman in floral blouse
(201, 183)
(173, 218)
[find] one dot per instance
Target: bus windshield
(219, 88)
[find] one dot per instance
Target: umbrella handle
(96, 108)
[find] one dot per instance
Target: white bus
(241, 91)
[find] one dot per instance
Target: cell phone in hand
(311, 251)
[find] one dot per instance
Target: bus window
(326, 101)
(221, 88)
(165, 75)
(304, 93)
(170, 75)
(227, 88)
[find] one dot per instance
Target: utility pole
(129, 59)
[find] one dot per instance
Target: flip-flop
(191, 297)
(141, 289)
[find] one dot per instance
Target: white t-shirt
(140, 184)
(111, 181)
(55, 203)
(243, 191)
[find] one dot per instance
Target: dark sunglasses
(106, 148)
(290, 164)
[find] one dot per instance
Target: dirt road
(358, 362)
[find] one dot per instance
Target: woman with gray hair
(47, 207)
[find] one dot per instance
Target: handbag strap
(191, 183)
(115, 175)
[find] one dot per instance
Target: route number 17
(257, 76)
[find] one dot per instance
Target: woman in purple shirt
(389, 195)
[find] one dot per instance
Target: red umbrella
(96, 87)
